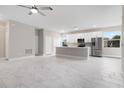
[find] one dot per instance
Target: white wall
(21, 37)
(112, 52)
(123, 39)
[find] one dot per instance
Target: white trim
(111, 56)
(7, 41)
(20, 58)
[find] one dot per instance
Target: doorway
(48, 45)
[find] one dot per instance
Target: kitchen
(91, 43)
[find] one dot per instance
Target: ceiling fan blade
(46, 8)
(25, 6)
(41, 13)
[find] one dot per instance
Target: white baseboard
(2, 59)
(111, 56)
(20, 58)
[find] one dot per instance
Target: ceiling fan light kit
(36, 9)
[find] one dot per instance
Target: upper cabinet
(72, 38)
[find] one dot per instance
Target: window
(112, 39)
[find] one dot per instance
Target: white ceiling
(65, 18)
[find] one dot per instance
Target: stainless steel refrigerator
(96, 47)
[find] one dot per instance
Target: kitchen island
(73, 52)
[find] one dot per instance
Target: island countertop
(80, 52)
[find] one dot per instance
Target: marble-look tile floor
(52, 72)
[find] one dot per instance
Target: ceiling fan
(36, 9)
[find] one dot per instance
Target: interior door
(49, 45)
(56, 43)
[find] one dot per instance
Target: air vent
(28, 51)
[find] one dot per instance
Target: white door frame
(6, 39)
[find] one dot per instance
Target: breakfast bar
(73, 52)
